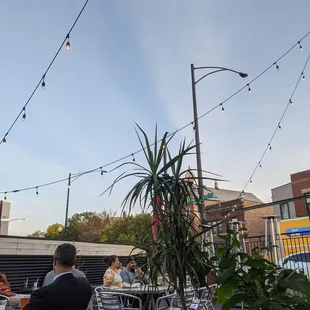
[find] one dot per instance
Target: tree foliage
(53, 231)
(128, 230)
(176, 250)
(85, 226)
(37, 234)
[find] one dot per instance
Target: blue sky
(130, 62)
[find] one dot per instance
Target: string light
(43, 82)
(24, 114)
(277, 66)
(102, 171)
(223, 109)
(260, 165)
(300, 47)
(5, 195)
(278, 124)
(37, 191)
(194, 128)
(133, 157)
(68, 46)
(249, 88)
(185, 126)
(303, 76)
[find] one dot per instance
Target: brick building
(226, 204)
(299, 185)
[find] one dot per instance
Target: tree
(128, 230)
(53, 231)
(176, 248)
(37, 234)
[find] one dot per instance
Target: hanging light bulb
(37, 191)
(4, 141)
(270, 148)
(5, 195)
(102, 171)
(68, 46)
(251, 181)
(223, 109)
(24, 114)
(260, 165)
(43, 82)
(133, 157)
(249, 88)
(277, 66)
(303, 76)
(280, 127)
(290, 101)
(300, 47)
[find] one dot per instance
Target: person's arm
(39, 299)
(125, 276)
(108, 278)
(5, 280)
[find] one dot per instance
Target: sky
(130, 63)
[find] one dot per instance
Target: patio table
(150, 291)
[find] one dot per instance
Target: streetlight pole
(67, 204)
(70, 180)
(196, 127)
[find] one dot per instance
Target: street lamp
(72, 178)
(13, 220)
(196, 126)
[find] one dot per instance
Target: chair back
(3, 302)
(189, 296)
(107, 301)
(211, 292)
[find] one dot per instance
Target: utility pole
(67, 205)
(197, 142)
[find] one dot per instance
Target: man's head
(64, 258)
(131, 264)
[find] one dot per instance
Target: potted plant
(175, 251)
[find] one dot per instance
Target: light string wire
(278, 127)
(42, 80)
(176, 131)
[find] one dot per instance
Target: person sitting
(111, 276)
(5, 289)
(66, 292)
(49, 277)
(131, 274)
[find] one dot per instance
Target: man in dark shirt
(66, 292)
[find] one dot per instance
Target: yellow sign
(295, 234)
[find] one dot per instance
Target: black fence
(19, 268)
(290, 250)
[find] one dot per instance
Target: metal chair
(3, 297)
(114, 300)
(200, 300)
(173, 301)
(211, 294)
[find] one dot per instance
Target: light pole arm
(218, 69)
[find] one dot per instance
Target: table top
(141, 289)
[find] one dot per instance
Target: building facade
(228, 206)
(299, 186)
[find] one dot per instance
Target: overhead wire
(132, 155)
(43, 78)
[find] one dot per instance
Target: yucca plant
(175, 251)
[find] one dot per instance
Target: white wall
(22, 246)
(283, 192)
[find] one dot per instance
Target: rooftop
(228, 195)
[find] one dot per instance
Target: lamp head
(243, 75)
